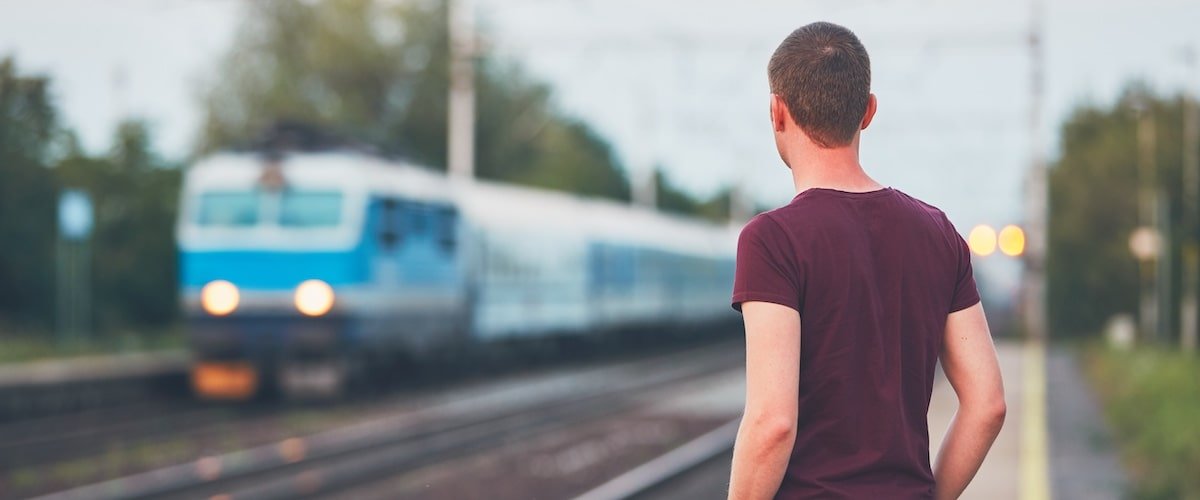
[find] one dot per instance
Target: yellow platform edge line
(1035, 466)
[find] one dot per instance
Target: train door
(450, 232)
(431, 273)
(381, 247)
(385, 266)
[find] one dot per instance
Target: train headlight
(219, 297)
(314, 297)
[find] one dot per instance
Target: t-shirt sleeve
(966, 294)
(766, 268)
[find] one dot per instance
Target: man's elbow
(986, 413)
(992, 413)
(783, 433)
(997, 414)
(774, 431)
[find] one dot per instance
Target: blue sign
(74, 214)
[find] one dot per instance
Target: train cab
(291, 267)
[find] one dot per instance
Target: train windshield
(290, 208)
(229, 208)
(310, 208)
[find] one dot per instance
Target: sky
(683, 83)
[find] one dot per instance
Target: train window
(389, 224)
(447, 229)
(310, 208)
(416, 220)
(621, 267)
(228, 208)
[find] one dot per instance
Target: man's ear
(872, 105)
(779, 113)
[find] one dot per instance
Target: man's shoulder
(780, 220)
(762, 226)
(923, 207)
(808, 208)
(815, 212)
(798, 212)
(933, 218)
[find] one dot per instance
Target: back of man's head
(823, 74)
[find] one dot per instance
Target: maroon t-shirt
(874, 276)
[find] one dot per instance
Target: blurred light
(314, 297)
(219, 297)
(208, 468)
(227, 380)
(292, 450)
(982, 240)
(1145, 243)
(1012, 240)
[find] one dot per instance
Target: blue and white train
(296, 268)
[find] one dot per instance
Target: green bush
(1152, 400)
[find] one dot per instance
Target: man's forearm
(966, 444)
(760, 459)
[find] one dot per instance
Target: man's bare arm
(969, 361)
(768, 428)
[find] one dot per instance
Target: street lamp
(1012, 241)
(1145, 243)
(982, 240)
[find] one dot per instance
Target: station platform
(1001, 476)
(92, 368)
(1054, 443)
(47, 387)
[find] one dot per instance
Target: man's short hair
(823, 74)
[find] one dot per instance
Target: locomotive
(298, 268)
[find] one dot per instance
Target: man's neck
(832, 169)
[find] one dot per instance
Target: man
(850, 294)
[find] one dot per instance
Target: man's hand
(768, 428)
(969, 361)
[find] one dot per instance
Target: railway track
(44, 441)
(705, 459)
(348, 456)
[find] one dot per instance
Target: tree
(672, 199)
(1094, 208)
(135, 195)
(28, 128)
(378, 74)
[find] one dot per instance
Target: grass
(1152, 400)
(22, 346)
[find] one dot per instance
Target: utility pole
(644, 185)
(1034, 473)
(1147, 215)
(1189, 320)
(1036, 214)
(1164, 273)
(461, 111)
